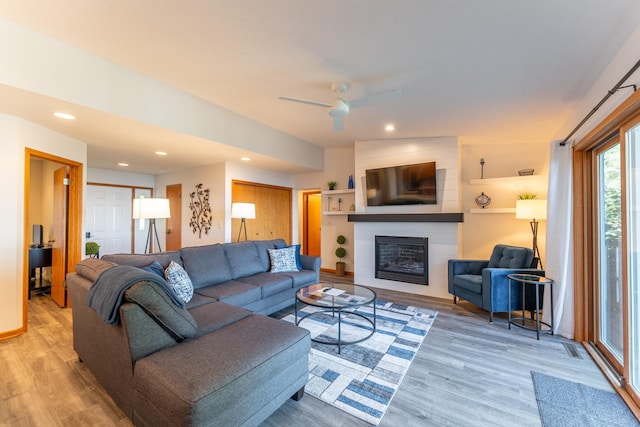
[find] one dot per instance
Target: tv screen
(402, 185)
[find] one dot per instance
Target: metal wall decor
(201, 218)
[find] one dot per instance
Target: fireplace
(403, 259)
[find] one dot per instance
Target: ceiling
(491, 71)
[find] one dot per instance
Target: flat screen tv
(402, 185)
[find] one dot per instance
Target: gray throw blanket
(106, 293)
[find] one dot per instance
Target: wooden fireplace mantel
(408, 217)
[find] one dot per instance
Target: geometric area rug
(563, 403)
(364, 377)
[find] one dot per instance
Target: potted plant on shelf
(332, 185)
(340, 253)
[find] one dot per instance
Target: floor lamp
(533, 210)
(151, 209)
(243, 211)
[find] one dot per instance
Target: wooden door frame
(74, 218)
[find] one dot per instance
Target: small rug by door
(565, 403)
(364, 377)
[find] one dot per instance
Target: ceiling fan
(341, 107)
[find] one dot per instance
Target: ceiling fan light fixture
(339, 109)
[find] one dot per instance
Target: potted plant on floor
(340, 253)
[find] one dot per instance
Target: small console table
(531, 280)
(38, 258)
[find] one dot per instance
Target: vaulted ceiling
(487, 71)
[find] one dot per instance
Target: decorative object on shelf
(332, 185)
(329, 203)
(339, 203)
(533, 210)
(350, 184)
(340, 253)
(243, 211)
(527, 196)
(151, 209)
(352, 208)
(200, 211)
(483, 200)
(482, 169)
(525, 172)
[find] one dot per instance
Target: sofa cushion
(91, 268)
(283, 259)
(243, 259)
(179, 280)
(470, 282)
(233, 292)
(270, 283)
(198, 300)
(262, 246)
(206, 265)
(142, 260)
(217, 315)
(504, 256)
(302, 277)
(158, 305)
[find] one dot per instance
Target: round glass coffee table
(341, 301)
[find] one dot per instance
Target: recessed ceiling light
(390, 127)
(64, 116)
(245, 159)
(161, 153)
(123, 164)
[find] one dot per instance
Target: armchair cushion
(504, 256)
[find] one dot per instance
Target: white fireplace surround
(443, 236)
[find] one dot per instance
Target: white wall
(17, 134)
(481, 232)
(213, 178)
(124, 178)
(443, 237)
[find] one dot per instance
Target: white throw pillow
(179, 280)
(283, 260)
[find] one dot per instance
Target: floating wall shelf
(503, 179)
(493, 210)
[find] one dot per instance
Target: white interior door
(108, 218)
(140, 226)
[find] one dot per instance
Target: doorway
(173, 237)
(63, 197)
(311, 222)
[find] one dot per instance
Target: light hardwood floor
(467, 372)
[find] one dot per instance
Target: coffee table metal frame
(531, 280)
(331, 304)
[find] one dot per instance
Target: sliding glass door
(632, 139)
(609, 300)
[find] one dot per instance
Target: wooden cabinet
(273, 211)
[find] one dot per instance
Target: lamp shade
(151, 208)
(243, 210)
(531, 209)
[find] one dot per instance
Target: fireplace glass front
(403, 259)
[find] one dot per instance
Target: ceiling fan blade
(374, 99)
(338, 123)
(304, 101)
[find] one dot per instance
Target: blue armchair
(485, 283)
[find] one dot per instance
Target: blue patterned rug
(364, 377)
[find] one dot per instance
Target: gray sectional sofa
(217, 360)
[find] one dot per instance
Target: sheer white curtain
(559, 239)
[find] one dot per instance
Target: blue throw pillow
(155, 268)
(297, 247)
